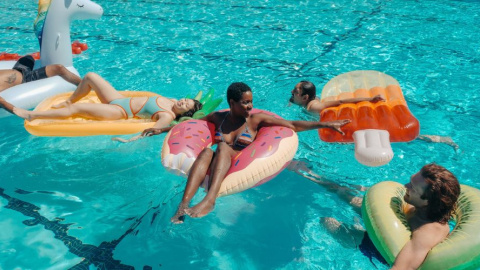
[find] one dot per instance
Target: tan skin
(104, 111)
(426, 233)
(219, 164)
(12, 77)
(316, 106)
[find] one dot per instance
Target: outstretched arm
(162, 125)
(319, 106)
(265, 120)
(159, 127)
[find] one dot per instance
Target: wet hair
(441, 193)
(196, 107)
(236, 90)
(308, 88)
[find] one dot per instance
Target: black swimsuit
(25, 66)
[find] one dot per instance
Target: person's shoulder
(259, 116)
(431, 232)
(314, 106)
(215, 116)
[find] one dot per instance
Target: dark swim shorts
(25, 66)
(368, 249)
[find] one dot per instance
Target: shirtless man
(431, 196)
(304, 94)
(23, 72)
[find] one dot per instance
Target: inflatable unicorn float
(52, 27)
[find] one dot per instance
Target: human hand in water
(337, 124)
(152, 131)
(377, 98)
(134, 138)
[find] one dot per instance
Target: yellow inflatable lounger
(384, 217)
(78, 126)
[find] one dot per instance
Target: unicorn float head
(52, 27)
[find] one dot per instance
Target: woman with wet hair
(114, 106)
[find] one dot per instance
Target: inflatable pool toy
(73, 127)
(271, 151)
(54, 36)
(392, 115)
(14, 57)
(209, 104)
(383, 214)
(372, 147)
(52, 27)
(77, 48)
(78, 126)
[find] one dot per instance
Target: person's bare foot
(201, 209)
(179, 216)
(23, 113)
(61, 104)
(331, 224)
(356, 201)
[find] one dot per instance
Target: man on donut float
(235, 130)
(431, 196)
(23, 72)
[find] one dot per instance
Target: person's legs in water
(104, 90)
(347, 194)
(347, 235)
(219, 168)
(195, 179)
(439, 139)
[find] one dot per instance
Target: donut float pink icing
(270, 152)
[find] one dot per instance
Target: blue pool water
(90, 203)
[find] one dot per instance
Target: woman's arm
(265, 120)
(162, 125)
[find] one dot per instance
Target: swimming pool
(66, 199)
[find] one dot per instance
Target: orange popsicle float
(392, 115)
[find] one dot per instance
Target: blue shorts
(25, 66)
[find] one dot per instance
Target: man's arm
(317, 106)
(416, 250)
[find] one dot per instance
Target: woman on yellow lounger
(115, 106)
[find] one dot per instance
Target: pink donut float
(270, 153)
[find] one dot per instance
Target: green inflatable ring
(384, 218)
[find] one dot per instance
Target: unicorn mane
(43, 6)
